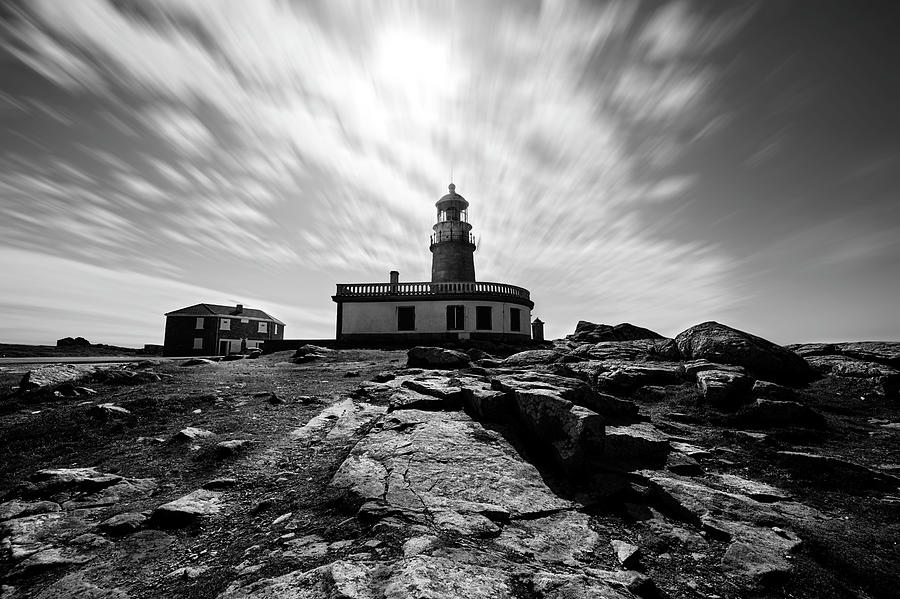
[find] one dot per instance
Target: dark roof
(217, 310)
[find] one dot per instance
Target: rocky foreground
(615, 463)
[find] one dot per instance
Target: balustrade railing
(442, 236)
(461, 287)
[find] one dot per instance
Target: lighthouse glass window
(456, 318)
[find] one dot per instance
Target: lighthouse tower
(452, 243)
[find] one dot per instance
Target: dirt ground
(854, 552)
(273, 478)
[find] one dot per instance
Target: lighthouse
(453, 306)
(452, 244)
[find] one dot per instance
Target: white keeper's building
(450, 307)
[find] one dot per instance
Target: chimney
(395, 280)
(537, 330)
(239, 308)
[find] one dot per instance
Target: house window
(515, 319)
(225, 324)
(198, 342)
(406, 318)
(263, 327)
(245, 320)
(456, 318)
(199, 324)
(483, 318)
(275, 326)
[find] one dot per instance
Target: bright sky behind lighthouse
(662, 163)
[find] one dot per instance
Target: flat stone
(55, 480)
(696, 501)
(751, 488)
(47, 559)
(441, 461)
(76, 586)
(19, 508)
(562, 538)
(338, 423)
(760, 554)
(187, 509)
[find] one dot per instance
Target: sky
(659, 163)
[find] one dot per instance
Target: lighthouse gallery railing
(379, 289)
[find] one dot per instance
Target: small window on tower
(515, 319)
(456, 318)
(406, 318)
(483, 318)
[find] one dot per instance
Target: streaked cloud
(315, 137)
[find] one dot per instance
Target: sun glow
(411, 60)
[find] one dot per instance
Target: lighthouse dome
(452, 199)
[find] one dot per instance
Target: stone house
(211, 329)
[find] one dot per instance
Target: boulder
(226, 449)
(123, 524)
(592, 333)
(572, 433)
(52, 375)
(635, 446)
(887, 378)
(767, 390)
(187, 509)
(833, 471)
(762, 359)
(19, 509)
(767, 413)
(723, 389)
(191, 433)
(436, 357)
(636, 350)
(628, 555)
(531, 357)
(108, 411)
(883, 352)
(197, 362)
